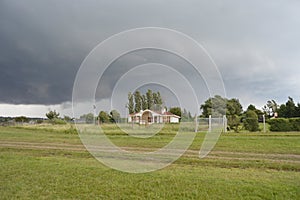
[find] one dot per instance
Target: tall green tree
(288, 110)
(175, 111)
(138, 101)
(52, 115)
(150, 101)
(155, 98)
(271, 108)
(115, 116)
(251, 121)
(144, 102)
(218, 106)
(130, 104)
(215, 106)
(21, 119)
(234, 107)
(298, 110)
(251, 107)
(258, 112)
(103, 117)
(282, 111)
(233, 114)
(159, 100)
(89, 118)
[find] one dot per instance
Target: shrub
(251, 121)
(58, 121)
(39, 121)
(71, 130)
(280, 124)
(295, 124)
(52, 115)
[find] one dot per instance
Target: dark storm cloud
(134, 59)
(42, 43)
(37, 65)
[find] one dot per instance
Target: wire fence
(200, 124)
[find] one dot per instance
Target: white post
(196, 123)
(209, 123)
(224, 123)
(126, 116)
(94, 120)
(264, 121)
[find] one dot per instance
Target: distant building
(151, 117)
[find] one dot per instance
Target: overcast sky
(255, 44)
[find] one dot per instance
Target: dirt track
(223, 155)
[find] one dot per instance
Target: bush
(280, 124)
(57, 121)
(295, 124)
(71, 130)
(39, 121)
(251, 121)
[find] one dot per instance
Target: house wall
(143, 118)
(174, 120)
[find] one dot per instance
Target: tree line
(153, 101)
(138, 101)
(111, 117)
(287, 110)
(217, 106)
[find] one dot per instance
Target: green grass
(262, 143)
(50, 133)
(241, 166)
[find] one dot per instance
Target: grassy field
(50, 162)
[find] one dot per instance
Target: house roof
(170, 114)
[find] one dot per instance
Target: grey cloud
(133, 59)
(254, 43)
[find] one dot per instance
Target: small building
(150, 117)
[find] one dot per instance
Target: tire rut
(221, 155)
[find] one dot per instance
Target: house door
(147, 117)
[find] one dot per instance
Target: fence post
(225, 123)
(94, 117)
(264, 121)
(209, 123)
(196, 123)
